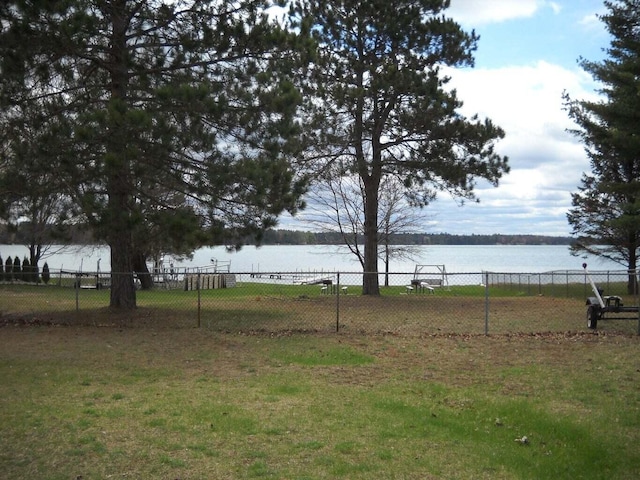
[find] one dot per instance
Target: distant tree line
(80, 235)
(294, 237)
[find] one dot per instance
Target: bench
(328, 286)
(426, 284)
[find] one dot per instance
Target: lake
(301, 258)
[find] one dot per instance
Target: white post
(593, 286)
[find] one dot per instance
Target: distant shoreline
(297, 237)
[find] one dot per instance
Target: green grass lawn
(117, 402)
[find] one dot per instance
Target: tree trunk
(119, 184)
(632, 282)
(123, 292)
(370, 282)
(142, 271)
(35, 252)
(386, 262)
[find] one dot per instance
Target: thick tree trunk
(142, 271)
(35, 252)
(370, 282)
(123, 292)
(117, 164)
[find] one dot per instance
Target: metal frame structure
(599, 305)
(441, 272)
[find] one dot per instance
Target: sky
(527, 57)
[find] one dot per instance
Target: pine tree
(605, 213)
(376, 81)
(148, 98)
(46, 276)
(26, 270)
(8, 269)
(17, 272)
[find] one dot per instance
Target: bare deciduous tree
(336, 204)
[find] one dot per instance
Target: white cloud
(557, 8)
(525, 96)
(475, 12)
(546, 161)
(591, 21)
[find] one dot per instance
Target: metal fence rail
(278, 302)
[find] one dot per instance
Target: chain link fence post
(199, 299)
(76, 285)
(338, 302)
(486, 302)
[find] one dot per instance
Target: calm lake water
(301, 258)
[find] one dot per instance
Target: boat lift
(600, 305)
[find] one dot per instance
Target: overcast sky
(527, 56)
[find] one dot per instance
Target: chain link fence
(284, 302)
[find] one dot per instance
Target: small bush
(26, 270)
(17, 272)
(45, 273)
(8, 269)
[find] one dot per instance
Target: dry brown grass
(400, 315)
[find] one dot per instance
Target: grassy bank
(113, 402)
